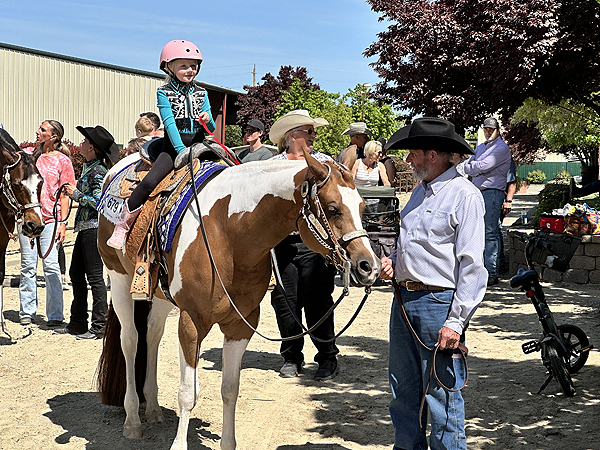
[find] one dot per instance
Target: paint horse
(246, 211)
(20, 190)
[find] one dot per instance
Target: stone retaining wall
(584, 267)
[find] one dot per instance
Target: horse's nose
(32, 228)
(367, 271)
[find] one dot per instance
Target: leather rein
(464, 351)
(337, 254)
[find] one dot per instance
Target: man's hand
(387, 271)
(448, 339)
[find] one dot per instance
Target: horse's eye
(334, 210)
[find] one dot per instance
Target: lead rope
(56, 222)
(464, 351)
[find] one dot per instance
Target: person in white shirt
(439, 267)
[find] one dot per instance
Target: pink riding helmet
(179, 50)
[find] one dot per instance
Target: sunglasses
(310, 132)
(249, 131)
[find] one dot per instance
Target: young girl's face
(185, 69)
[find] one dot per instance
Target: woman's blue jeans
(28, 285)
(409, 368)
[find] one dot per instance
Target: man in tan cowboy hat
(439, 267)
(359, 136)
(308, 281)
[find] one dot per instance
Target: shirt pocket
(435, 227)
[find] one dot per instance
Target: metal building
(36, 86)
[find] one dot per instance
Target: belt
(418, 286)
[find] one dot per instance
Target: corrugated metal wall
(72, 93)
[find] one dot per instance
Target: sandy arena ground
(48, 401)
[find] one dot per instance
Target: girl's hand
(204, 116)
(61, 233)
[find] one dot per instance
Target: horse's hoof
(132, 432)
(154, 417)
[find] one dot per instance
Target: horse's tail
(111, 380)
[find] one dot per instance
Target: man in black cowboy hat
(439, 267)
(100, 152)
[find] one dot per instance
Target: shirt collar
(442, 180)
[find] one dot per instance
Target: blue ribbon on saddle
(167, 224)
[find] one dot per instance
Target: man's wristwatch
(507, 201)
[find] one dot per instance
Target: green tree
(323, 104)
(379, 117)
(568, 128)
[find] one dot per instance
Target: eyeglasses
(249, 131)
(310, 131)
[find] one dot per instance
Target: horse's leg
(123, 305)
(189, 344)
(235, 342)
(156, 327)
(230, 387)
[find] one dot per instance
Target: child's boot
(122, 227)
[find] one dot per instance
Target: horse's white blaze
(351, 198)
(31, 183)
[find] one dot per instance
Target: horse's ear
(349, 157)
(317, 168)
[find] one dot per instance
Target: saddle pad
(167, 223)
(111, 203)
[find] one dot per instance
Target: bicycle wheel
(560, 371)
(575, 339)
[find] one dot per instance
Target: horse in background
(246, 211)
(20, 190)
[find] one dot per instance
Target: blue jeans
(493, 199)
(409, 368)
(28, 285)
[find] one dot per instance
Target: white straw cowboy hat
(292, 120)
(357, 128)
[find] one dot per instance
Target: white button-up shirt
(441, 242)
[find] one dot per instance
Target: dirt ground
(47, 396)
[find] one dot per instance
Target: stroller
(381, 218)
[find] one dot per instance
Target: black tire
(575, 339)
(560, 370)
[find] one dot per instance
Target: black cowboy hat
(102, 140)
(429, 133)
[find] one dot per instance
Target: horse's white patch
(246, 185)
(31, 184)
(351, 198)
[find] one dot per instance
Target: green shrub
(554, 195)
(564, 175)
(536, 177)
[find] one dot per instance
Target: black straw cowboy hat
(102, 140)
(429, 133)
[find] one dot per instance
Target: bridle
(321, 230)
(14, 207)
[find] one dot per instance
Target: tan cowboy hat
(357, 128)
(292, 120)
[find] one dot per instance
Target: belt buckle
(412, 286)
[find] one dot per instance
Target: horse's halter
(13, 204)
(321, 230)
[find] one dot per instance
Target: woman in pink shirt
(56, 169)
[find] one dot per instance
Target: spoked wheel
(560, 371)
(575, 339)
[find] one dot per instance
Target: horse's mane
(29, 165)
(7, 141)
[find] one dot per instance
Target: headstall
(321, 230)
(12, 203)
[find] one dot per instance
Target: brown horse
(20, 190)
(246, 211)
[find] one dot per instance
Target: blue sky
(328, 37)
